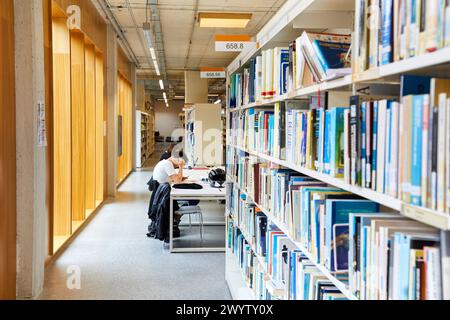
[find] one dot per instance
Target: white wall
(167, 119)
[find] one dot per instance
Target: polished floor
(113, 259)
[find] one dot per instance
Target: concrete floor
(117, 261)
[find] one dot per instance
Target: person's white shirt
(163, 171)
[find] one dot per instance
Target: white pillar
(31, 165)
(111, 83)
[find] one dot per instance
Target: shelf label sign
(212, 73)
(233, 43)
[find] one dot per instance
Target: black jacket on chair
(160, 211)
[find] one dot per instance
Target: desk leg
(171, 225)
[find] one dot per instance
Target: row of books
(252, 270)
(393, 30)
(399, 148)
(313, 57)
(282, 271)
(392, 257)
(350, 236)
(402, 148)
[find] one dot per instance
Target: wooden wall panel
(92, 22)
(123, 64)
(130, 130)
(8, 214)
(90, 126)
(125, 164)
(99, 120)
(78, 127)
(62, 163)
(120, 162)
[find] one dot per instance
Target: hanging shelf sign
(233, 43)
(212, 73)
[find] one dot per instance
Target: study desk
(208, 193)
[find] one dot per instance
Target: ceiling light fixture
(153, 53)
(161, 84)
(218, 102)
(148, 34)
(155, 63)
(165, 96)
(224, 20)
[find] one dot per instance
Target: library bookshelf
(145, 137)
(282, 29)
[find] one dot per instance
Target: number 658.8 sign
(233, 43)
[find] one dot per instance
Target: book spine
(369, 147)
(355, 125)
(413, 28)
(429, 153)
(347, 166)
(393, 185)
(381, 144)
(374, 145)
(434, 159)
(447, 25)
(407, 145)
(432, 25)
(433, 273)
(387, 24)
(387, 159)
(320, 56)
(363, 143)
(422, 27)
(374, 40)
(416, 154)
(425, 148)
(441, 175)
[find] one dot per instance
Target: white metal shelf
(414, 64)
(283, 228)
(235, 279)
(434, 218)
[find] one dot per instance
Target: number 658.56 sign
(233, 43)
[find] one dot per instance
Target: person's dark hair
(171, 147)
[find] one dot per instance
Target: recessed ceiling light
(224, 20)
(161, 84)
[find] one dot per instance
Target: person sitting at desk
(168, 153)
(165, 172)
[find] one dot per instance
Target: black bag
(188, 186)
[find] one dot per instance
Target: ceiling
(179, 41)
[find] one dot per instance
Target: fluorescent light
(165, 96)
(224, 20)
(153, 53)
(161, 84)
(155, 63)
(148, 34)
(218, 102)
